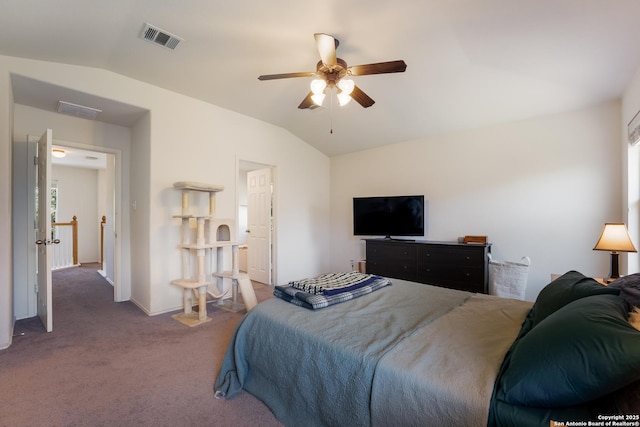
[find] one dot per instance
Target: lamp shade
(318, 98)
(343, 99)
(318, 86)
(346, 86)
(615, 238)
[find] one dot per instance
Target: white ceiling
(80, 158)
(470, 63)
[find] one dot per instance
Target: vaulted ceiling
(470, 63)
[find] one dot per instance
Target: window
(54, 208)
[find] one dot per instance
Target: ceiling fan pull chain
(331, 115)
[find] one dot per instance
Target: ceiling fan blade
(285, 75)
(327, 48)
(378, 68)
(361, 98)
(307, 102)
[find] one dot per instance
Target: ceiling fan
(333, 72)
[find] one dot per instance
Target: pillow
(565, 289)
(629, 288)
(583, 351)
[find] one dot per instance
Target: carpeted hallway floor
(109, 364)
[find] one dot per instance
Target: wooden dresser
(448, 264)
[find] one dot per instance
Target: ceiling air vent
(78, 110)
(160, 37)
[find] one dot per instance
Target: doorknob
(47, 242)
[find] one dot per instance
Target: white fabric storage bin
(508, 279)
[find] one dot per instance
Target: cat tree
(203, 274)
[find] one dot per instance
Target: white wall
(631, 163)
(6, 220)
(140, 230)
(78, 196)
(204, 148)
(185, 139)
(542, 188)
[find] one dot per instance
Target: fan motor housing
(332, 73)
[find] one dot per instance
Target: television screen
(388, 216)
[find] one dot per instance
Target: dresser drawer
(392, 260)
(449, 273)
(459, 256)
(456, 267)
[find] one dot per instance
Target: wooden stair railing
(59, 250)
(103, 224)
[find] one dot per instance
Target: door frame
(242, 167)
(121, 287)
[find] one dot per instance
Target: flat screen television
(388, 216)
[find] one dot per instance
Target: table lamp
(614, 238)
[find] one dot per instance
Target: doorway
(83, 156)
(256, 193)
(85, 187)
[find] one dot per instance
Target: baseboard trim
(104, 276)
(11, 332)
(154, 313)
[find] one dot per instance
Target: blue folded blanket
(316, 301)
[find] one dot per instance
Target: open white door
(43, 233)
(259, 225)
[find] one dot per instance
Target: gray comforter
(407, 354)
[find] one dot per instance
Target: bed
(411, 354)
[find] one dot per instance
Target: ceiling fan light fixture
(58, 152)
(330, 72)
(343, 98)
(318, 86)
(346, 86)
(318, 98)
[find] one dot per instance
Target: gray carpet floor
(109, 364)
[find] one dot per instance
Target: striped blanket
(330, 296)
(332, 283)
